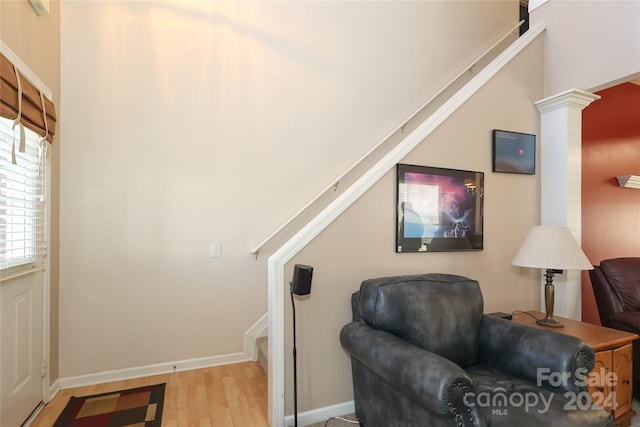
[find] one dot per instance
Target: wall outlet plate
(215, 250)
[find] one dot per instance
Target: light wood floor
(230, 395)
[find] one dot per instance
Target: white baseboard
(321, 414)
(250, 353)
(145, 371)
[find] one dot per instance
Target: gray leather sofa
(424, 354)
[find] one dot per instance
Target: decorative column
(561, 182)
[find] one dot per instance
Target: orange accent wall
(610, 214)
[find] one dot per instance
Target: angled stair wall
(411, 139)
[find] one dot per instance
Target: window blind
(22, 202)
(19, 98)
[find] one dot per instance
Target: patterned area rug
(137, 407)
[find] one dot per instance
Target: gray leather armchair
(423, 354)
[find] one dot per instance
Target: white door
(21, 348)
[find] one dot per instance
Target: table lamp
(554, 249)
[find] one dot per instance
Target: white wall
(590, 44)
(192, 122)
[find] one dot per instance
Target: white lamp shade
(551, 247)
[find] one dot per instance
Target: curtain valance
(20, 98)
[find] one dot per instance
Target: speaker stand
(295, 356)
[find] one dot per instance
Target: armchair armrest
(437, 383)
(535, 354)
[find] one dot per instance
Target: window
(22, 201)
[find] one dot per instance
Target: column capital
(574, 98)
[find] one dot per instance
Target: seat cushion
(510, 401)
(440, 313)
(623, 275)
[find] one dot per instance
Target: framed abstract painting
(438, 209)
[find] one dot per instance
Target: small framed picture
(514, 152)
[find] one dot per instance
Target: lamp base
(548, 319)
(549, 322)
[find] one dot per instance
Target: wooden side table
(611, 380)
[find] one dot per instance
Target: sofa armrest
(607, 299)
(626, 321)
(437, 383)
(538, 355)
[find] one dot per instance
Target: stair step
(263, 346)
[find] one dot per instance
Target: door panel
(20, 348)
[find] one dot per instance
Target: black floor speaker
(301, 284)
